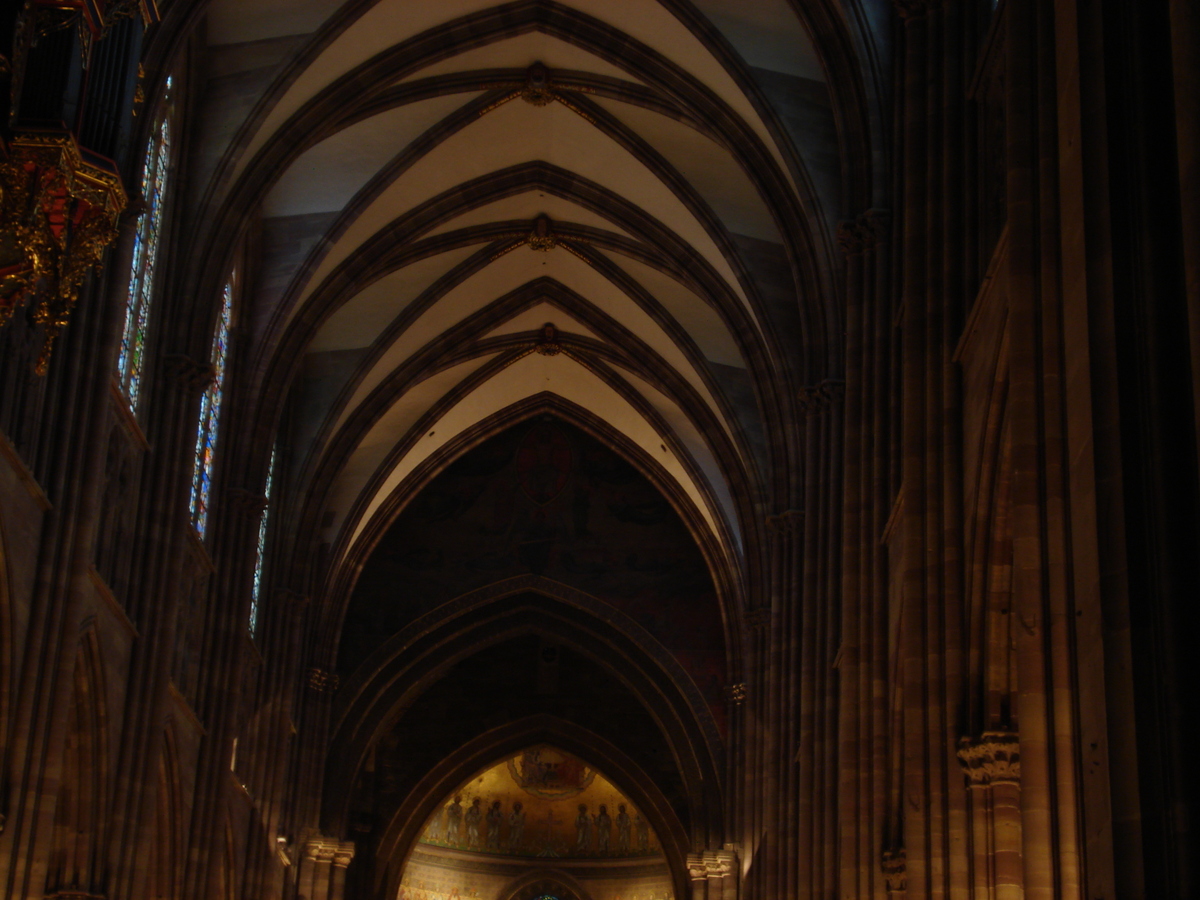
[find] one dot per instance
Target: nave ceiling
(441, 218)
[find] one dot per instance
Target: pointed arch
(82, 810)
(723, 564)
(165, 859)
(417, 657)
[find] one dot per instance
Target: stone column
(721, 873)
(323, 864)
(992, 765)
(895, 873)
(697, 876)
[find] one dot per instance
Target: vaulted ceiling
(409, 192)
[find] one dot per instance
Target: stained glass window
(210, 414)
(145, 254)
(262, 547)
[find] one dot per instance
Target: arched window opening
(210, 414)
(260, 553)
(145, 255)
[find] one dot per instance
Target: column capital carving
(874, 224)
(864, 231)
(789, 521)
(895, 870)
(192, 376)
(697, 869)
(343, 854)
(323, 682)
(249, 504)
(718, 863)
(992, 758)
(848, 239)
(736, 693)
(759, 617)
(914, 9)
(329, 851)
(291, 600)
(816, 399)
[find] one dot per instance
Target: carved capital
(323, 682)
(326, 851)
(191, 376)
(718, 864)
(911, 10)
(895, 870)
(848, 239)
(736, 693)
(697, 870)
(992, 758)
(759, 617)
(816, 399)
(249, 504)
(343, 854)
(790, 521)
(291, 600)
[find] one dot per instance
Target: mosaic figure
(623, 824)
(603, 829)
(494, 819)
(583, 830)
(454, 816)
(473, 817)
(516, 826)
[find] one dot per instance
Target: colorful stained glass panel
(145, 254)
(210, 414)
(256, 588)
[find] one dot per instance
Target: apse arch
(407, 822)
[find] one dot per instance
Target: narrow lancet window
(145, 256)
(210, 414)
(256, 588)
